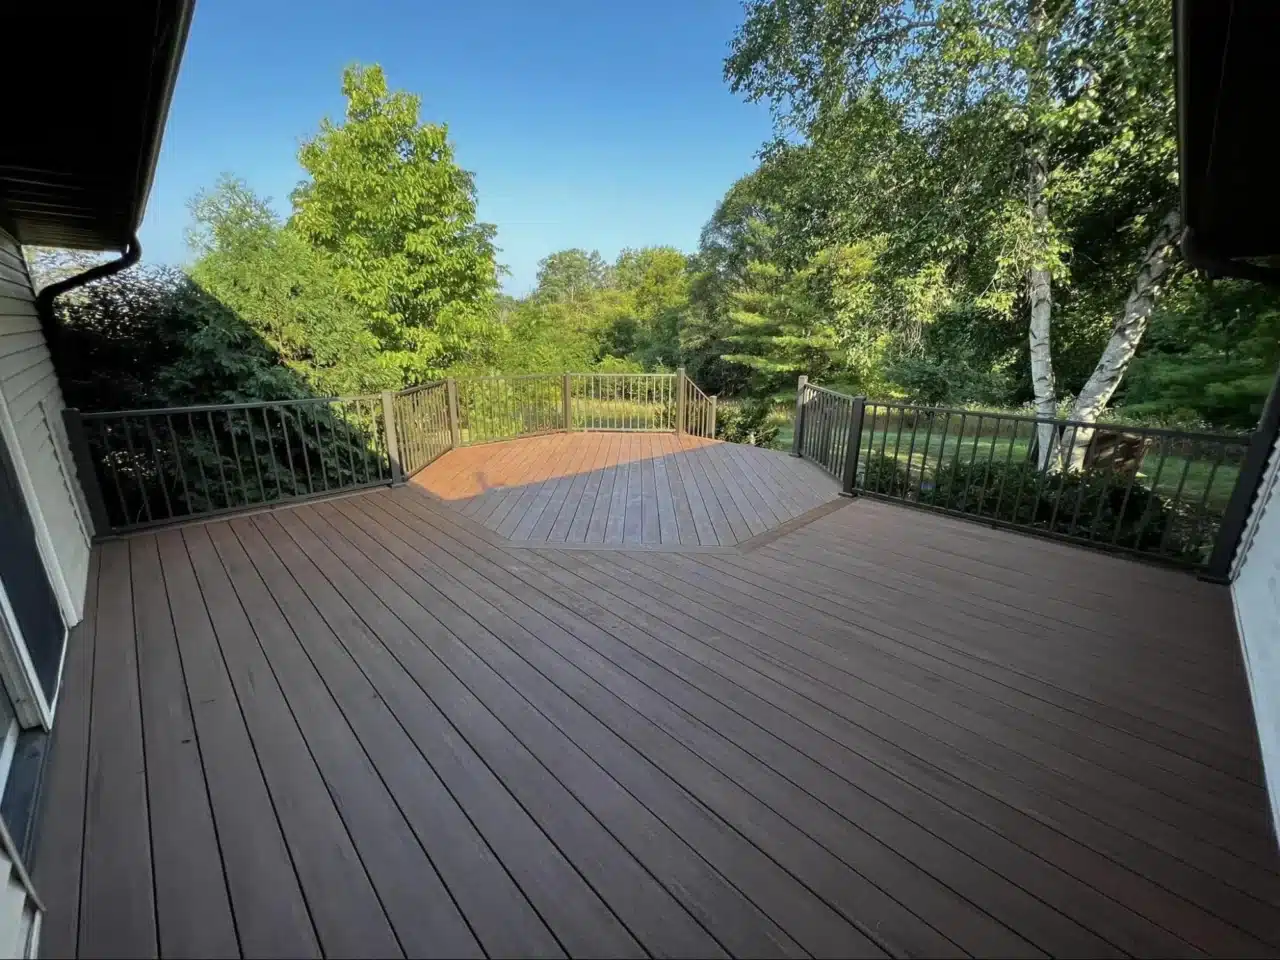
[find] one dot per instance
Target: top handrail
(1242, 437)
(215, 407)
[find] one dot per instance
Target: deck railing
(142, 468)
(1143, 490)
(147, 468)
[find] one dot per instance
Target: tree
(386, 200)
(286, 291)
(571, 276)
(1016, 121)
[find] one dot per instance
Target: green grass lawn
(1184, 477)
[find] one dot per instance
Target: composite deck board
(654, 489)
(270, 912)
(348, 914)
(117, 912)
(378, 698)
(193, 910)
(56, 871)
(414, 721)
(416, 903)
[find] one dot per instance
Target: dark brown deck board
(59, 849)
(369, 687)
(615, 875)
(347, 913)
(270, 913)
(814, 924)
(580, 920)
(864, 730)
(117, 913)
(192, 905)
(680, 872)
(417, 905)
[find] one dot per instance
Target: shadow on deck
(360, 728)
(654, 489)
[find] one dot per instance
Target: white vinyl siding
(34, 402)
(1256, 595)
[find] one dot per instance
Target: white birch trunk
(1126, 334)
(1040, 293)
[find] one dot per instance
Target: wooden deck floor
(626, 488)
(364, 728)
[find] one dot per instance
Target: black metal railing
(1144, 490)
(423, 424)
(154, 467)
(146, 468)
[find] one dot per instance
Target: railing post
(712, 435)
(393, 442)
(853, 443)
(680, 400)
(566, 400)
(1231, 529)
(455, 431)
(798, 430)
(88, 476)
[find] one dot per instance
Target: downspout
(45, 298)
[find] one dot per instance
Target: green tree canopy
(385, 198)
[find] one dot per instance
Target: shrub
(883, 474)
(749, 421)
(1095, 505)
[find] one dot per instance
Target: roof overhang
(1228, 62)
(88, 93)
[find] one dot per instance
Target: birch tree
(1019, 120)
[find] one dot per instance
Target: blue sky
(589, 124)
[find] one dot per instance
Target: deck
(627, 488)
(373, 726)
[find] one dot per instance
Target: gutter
(45, 298)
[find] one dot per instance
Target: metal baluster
(986, 473)
(235, 450)
(204, 479)
(288, 452)
(942, 452)
(253, 449)
(1174, 504)
(1203, 512)
(155, 456)
(133, 465)
(1008, 461)
(1133, 479)
(217, 453)
(178, 464)
(1062, 480)
(112, 464)
(924, 454)
(315, 427)
(306, 456)
(1035, 506)
(1155, 488)
(968, 475)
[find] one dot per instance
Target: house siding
(1255, 591)
(34, 401)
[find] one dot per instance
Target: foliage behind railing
(158, 466)
(1145, 490)
(423, 429)
(144, 468)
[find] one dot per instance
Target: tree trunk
(1039, 288)
(1041, 296)
(1126, 334)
